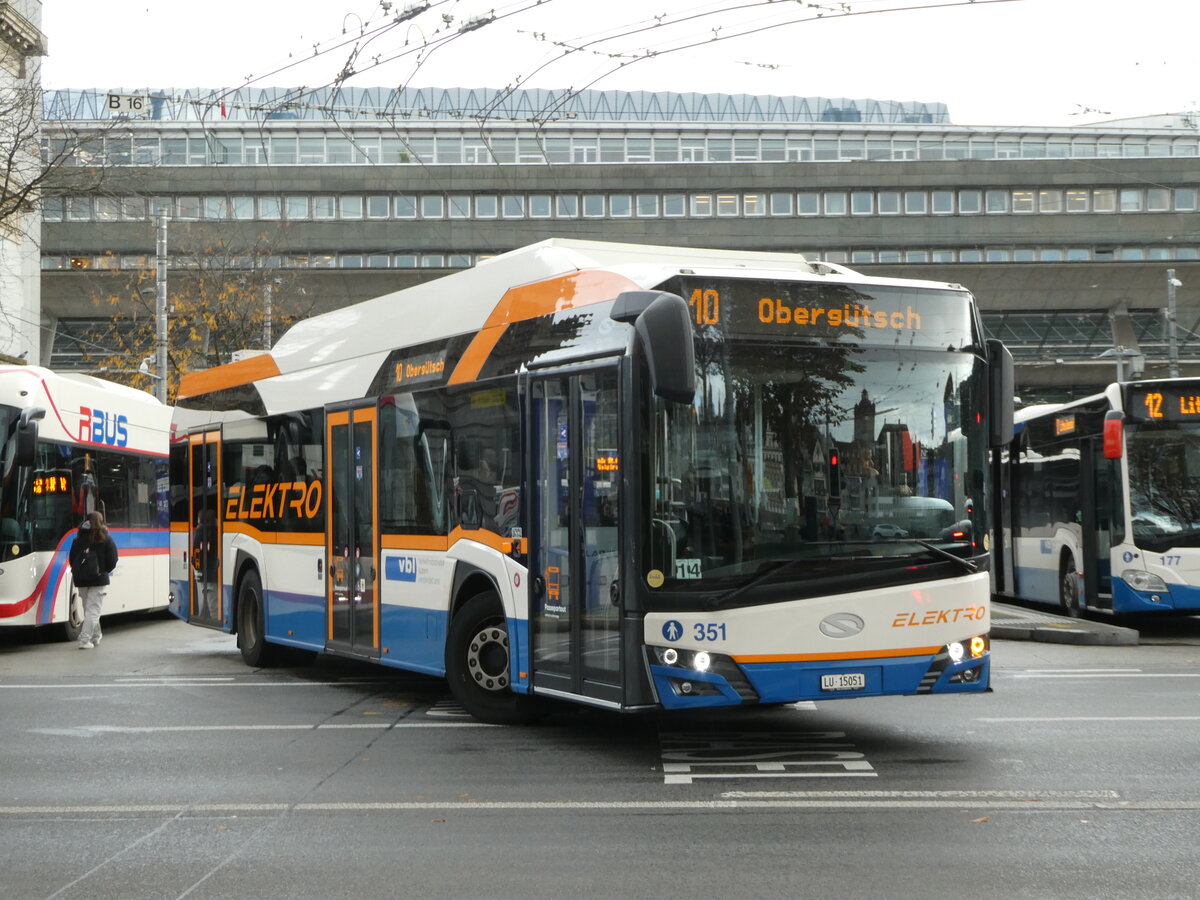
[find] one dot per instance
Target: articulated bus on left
(73, 444)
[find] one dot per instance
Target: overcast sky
(1013, 62)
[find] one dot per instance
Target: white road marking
(76, 686)
(1023, 675)
(1088, 719)
(94, 730)
(1027, 803)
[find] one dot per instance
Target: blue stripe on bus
(792, 682)
(1177, 597)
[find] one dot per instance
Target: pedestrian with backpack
(93, 556)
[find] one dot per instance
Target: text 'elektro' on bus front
(628, 476)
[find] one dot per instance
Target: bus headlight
(1141, 580)
(974, 648)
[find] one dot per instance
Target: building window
(701, 205)
(1024, 255)
(620, 206)
(405, 206)
(405, 261)
(1158, 199)
(1131, 200)
(914, 203)
(1104, 200)
(942, 256)
(997, 201)
(378, 261)
(1078, 201)
(593, 206)
(835, 204)
(324, 208)
(862, 203)
(808, 204)
(512, 206)
(890, 256)
(889, 203)
(487, 206)
(350, 206)
(189, 207)
(781, 204)
(269, 208)
(433, 206)
(728, 204)
(1185, 199)
(378, 206)
(1050, 201)
(674, 205)
(350, 261)
(942, 202)
(970, 203)
(754, 204)
(539, 206)
(916, 256)
(1022, 201)
(970, 256)
(566, 206)
(647, 206)
(1075, 254)
(459, 206)
(862, 256)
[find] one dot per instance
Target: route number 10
(707, 306)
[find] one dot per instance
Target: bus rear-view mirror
(664, 328)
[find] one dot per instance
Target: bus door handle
(539, 586)
(614, 593)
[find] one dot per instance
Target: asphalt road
(159, 766)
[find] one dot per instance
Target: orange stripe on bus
(298, 538)
(444, 542)
(233, 374)
(830, 657)
(529, 301)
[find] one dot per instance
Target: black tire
(74, 621)
(477, 664)
(1068, 588)
(252, 639)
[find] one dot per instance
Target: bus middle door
(207, 604)
(352, 595)
(574, 482)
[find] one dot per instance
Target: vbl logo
(98, 427)
(400, 568)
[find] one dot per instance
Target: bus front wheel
(477, 663)
(1069, 588)
(74, 621)
(252, 639)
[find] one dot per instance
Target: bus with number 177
(627, 476)
(72, 444)
(1100, 507)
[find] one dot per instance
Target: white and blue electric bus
(628, 476)
(1101, 501)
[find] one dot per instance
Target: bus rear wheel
(477, 664)
(252, 639)
(1068, 590)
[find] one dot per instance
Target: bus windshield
(847, 460)
(1164, 484)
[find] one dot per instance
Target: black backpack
(87, 571)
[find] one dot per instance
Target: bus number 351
(707, 306)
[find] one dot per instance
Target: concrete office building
(1065, 235)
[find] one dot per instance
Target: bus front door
(352, 596)
(574, 479)
(206, 603)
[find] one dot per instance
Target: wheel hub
(487, 658)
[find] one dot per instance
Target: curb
(1069, 631)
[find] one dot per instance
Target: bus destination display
(1164, 403)
(829, 311)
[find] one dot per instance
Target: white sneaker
(96, 640)
(86, 645)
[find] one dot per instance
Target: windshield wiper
(721, 599)
(970, 565)
(781, 565)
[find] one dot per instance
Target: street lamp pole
(160, 310)
(1172, 339)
